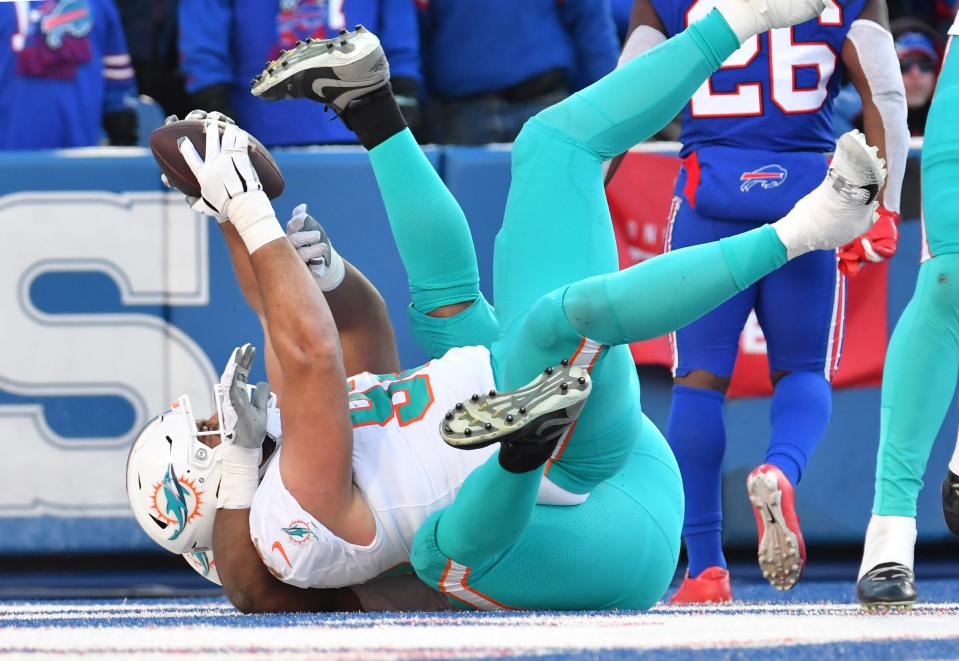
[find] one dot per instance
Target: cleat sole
(484, 420)
(779, 557)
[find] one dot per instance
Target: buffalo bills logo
(69, 17)
(768, 176)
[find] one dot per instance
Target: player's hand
(244, 416)
(226, 171)
(310, 241)
(314, 247)
(876, 245)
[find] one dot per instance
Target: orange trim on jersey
(599, 350)
(562, 447)
(488, 598)
(429, 404)
(582, 343)
(446, 572)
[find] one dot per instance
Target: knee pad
(477, 325)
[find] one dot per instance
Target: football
(163, 142)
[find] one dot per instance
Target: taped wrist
(253, 216)
(333, 274)
(239, 477)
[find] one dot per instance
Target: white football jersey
(954, 30)
(401, 466)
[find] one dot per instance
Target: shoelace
(889, 573)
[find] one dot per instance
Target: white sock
(954, 462)
(253, 216)
(889, 539)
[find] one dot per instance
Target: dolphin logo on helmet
(176, 501)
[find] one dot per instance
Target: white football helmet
(173, 478)
(204, 564)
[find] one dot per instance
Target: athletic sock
(430, 229)
(802, 403)
(888, 539)
(490, 512)
(628, 306)
(954, 462)
(918, 383)
(374, 117)
(697, 437)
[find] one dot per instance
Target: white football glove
(226, 172)
(314, 247)
(202, 115)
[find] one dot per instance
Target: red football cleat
(782, 552)
(710, 587)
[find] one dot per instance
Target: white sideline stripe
(116, 60)
(489, 636)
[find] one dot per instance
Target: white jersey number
(786, 56)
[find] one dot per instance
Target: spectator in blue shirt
(65, 75)
(224, 43)
(505, 60)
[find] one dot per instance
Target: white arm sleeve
(642, 39)
(877, 56)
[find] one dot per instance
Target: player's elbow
(306, 350)
(250, 601)
(243, 601)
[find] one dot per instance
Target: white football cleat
(843, 206)
(751, 17)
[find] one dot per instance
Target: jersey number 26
(786, 55)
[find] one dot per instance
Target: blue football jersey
(776, 92)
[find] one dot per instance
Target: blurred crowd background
(79, 73)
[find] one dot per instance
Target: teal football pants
(558, 295)
(919, 377)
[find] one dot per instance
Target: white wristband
(253, 216)
(239, 477)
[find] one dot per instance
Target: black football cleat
(887, 586)
(334, 71)
(527, 422)
(950, 501)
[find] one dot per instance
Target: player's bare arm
(359, 311)
(316, 462)
(245, 579)
(651, 31)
